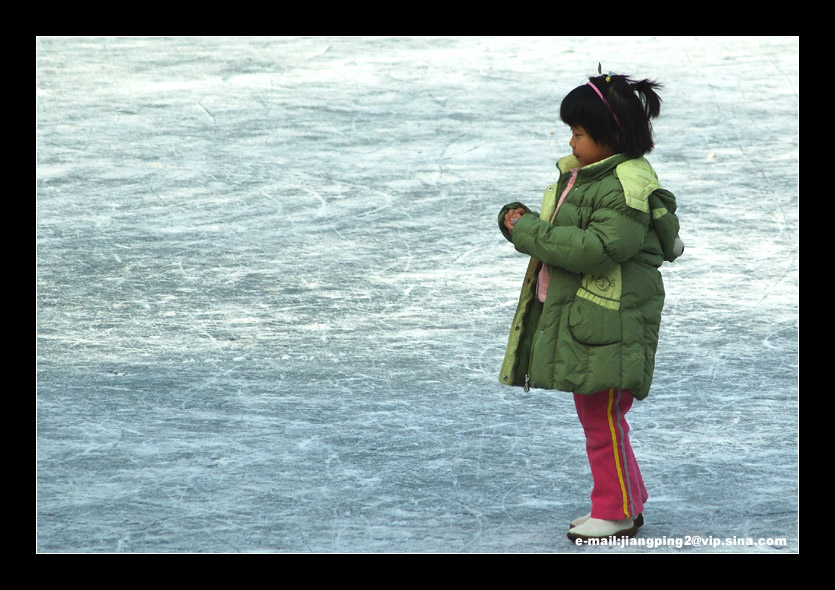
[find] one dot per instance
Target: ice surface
(272, 299)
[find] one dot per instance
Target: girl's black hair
(634, 103)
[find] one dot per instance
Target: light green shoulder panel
(638, 180)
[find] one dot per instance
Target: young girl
(590, 308)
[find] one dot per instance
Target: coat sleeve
(615, 233)
(505, 209)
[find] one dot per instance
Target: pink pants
(618, 490)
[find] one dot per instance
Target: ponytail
(650, 99)
(636, 104)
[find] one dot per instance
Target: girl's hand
(511, 217)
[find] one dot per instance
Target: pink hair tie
(608, 106)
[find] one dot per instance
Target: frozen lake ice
(272, 299)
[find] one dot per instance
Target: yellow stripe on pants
(615, 451)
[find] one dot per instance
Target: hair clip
(600, 71)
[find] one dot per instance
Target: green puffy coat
(598, 327)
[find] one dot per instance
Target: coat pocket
(594, 315)
(592, 324)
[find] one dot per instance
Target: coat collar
(636, 176)
(568, 163)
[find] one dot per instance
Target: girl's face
(585, 149)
